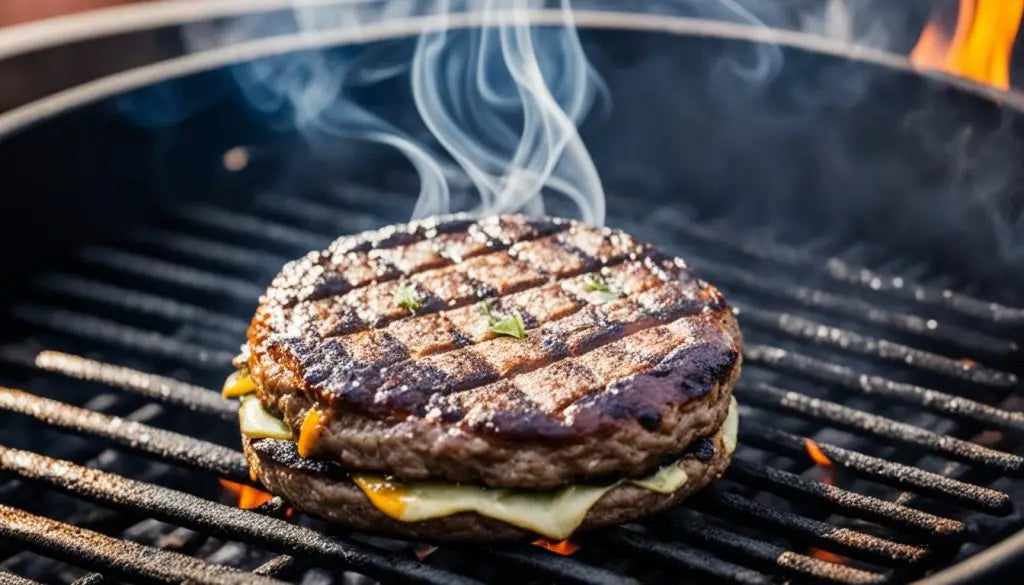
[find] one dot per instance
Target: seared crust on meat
(602, 384)
(336, 498)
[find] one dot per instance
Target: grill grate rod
(841, 540)
(190, 452)
(701, 563)
(140, 302)
(12, 579)
(275, 235)
(139, 340)
(883, 349)
(929, 329)
(166, 445)
(164, 272)
(882, 471)
(840, 416)
(842, 272)
(160, 388)
(847, 377)
(232, 257)
(275, 566)
(703, 533)
(566, 569)
(796, 488)
(133, 561)
(211, 517)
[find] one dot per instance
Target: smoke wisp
(501, 96)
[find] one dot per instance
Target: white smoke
(505, 100)
(502, 98)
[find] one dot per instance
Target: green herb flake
(405, 295)
(597, 285)
(510, 325)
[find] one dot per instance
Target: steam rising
(502, 100)
(505, 100)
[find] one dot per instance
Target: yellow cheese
(257, 423)
(555, 515)
(309, 433)
(731, 426)
(239, 383)
(664, 481)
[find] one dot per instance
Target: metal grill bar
(95, 329)
(139, 302)
(309, 213)
(99, 552)
(199, 454)
(566, 569)
(767, 554)
(882, 471)
(842, 540)
(275, 566)
(166, 445)
(702, 564)
(842, 272)
(231, 222)
(235, 258)
(816, 409)
(12, 579)
(930, 329)
(849, 378)
(796, 488)
(163, 389)
(200, 514)
(877, 348)
(164, 272)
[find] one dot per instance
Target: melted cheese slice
(257, 423)
(239, 383)
(554, 515)
(731, 426)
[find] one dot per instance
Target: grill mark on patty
(434, 333)
(409, 386)
(374, 306)
(439, 359)
(393, 252)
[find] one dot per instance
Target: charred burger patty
(488, 379)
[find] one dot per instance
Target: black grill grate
(869, 367)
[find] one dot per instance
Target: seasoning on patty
(458, 379)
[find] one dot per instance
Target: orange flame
(981, 45)
(827, 556)
(816, 453)
(248, 496)
(562, 547)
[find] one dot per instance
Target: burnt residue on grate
(158, 318)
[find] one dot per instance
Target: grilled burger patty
(510, 352)
(328, 492)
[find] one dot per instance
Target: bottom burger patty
(452, 512)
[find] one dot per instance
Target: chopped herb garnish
(510, 325)
(485, 309)
(406, 297)
(599, 286)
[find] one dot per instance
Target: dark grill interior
(117, 349)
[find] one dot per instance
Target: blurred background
(967, 37)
